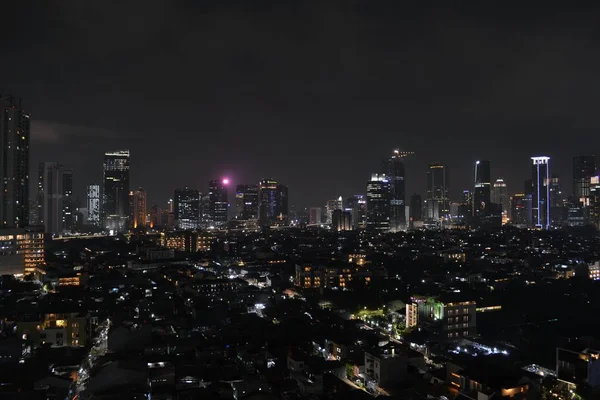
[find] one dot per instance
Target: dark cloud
(313, 93)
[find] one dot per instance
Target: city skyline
(452, 85)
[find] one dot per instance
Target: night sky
(311, 93)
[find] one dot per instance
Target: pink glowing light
(225, 181)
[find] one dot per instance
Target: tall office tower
(416, 208)
(393, 168)
(315, 216)
(273, 203)
(584, 167)
(357, 205)
(283, 209)
(540, 206)
(137, 208)
(93, 204)
(594, 207)
(218, 206)
(68, 203)
(378, 203)
(330, 207)
(519, 209)
(342, 220)
(186, 208)
(14, 168)
(558, 211)
(50, 196)
(437, 202)
(246, 198)
(500, 196)
(115, 196)
(481, 187)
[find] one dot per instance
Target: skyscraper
(500, 196)
(273, 202)
(519, 209)
(541, 192)
(315, 216)
(357, 205)
(115, 197)
(93, 204)
(331, 206)
(393, 168)
(378, 203)
(14, 168)
(558, 211)
(341, 220)
(246, 197)
(218, 206)
(186, 208)
(50, 196)
(481, 187)
(68, 202)
(437, 202)
(416, 208)
(584, 167)
(137, 208)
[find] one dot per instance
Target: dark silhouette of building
(273, 202)
(393, 168)
(246, 197)
(416, 208)
(14, 168)
(186, 208)
(217, 201)
(437, 201)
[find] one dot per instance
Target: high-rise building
(342, 220)
(217, 197)
(14, 168)
(50, 196)
(273, 203)
(540, 192)
(186, 208)
(137, 208)
(68, 202)
(437, 203)
(500, 196)
(246, 197)
(416, 208)
(393, 168)
(115, 196)
(315, 216)
(331, 206)
(558, 210)
(378, 203)
(584, 167)
(21, 250)
(482, 187)
(93, 204)
(357, 205)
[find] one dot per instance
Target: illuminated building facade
(437, 203)
(21, 250)
(115, 196)
(340, 277)
(246, 199)
(584, 167)
(186, 208)
(55, 330)
(93, 204)
(137, 208)
(217, 197)
(540, 192)
(357, 205)
(378, 203)
(14, 168)
(456, 319)
(500, 196)
(331, 206)
(393, 168)
(273, 203)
